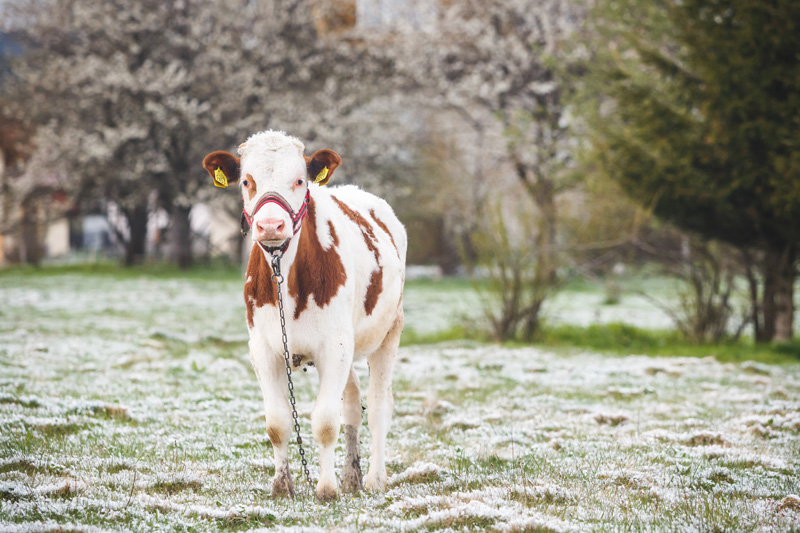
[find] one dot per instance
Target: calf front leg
(334, 368)
(380, 402)
(271, 373)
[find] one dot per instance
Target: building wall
(56, 240)
(419, 15)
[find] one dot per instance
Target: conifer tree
(695, 111)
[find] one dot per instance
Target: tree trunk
(545, 276)
(546, 238)
(768, 299)
(784, 295)
(31, 249)
(181, 234)
(5, 190)
(449, 256)
(135, 247)
(756, 317)
(532, 322)
(778, 304)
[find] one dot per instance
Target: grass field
(127, 403)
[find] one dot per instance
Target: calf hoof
(351, 477)
(282, 484)
(326, 493)
(351, 484)
(376, 481)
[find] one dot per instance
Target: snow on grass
(588, 308)
(430, 307)
(129, 404)
(417, 473)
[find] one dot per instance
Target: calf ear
(223, 167)
(321, 165)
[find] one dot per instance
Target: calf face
(271, 166)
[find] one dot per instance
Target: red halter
(280, 201)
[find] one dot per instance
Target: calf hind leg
(380, 402)
(351, 471)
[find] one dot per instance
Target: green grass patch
(619, 338)
(20, 465)
(211, 271)
(626, 339)
(115, 468)
(448, 284)
(455, 333)
(174, 486)
(24, 402)
(56, 429)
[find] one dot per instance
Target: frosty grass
(129, 404)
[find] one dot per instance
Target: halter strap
(280, 201)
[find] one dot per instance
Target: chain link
(278, 279)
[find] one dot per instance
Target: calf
(343, 260)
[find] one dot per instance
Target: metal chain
(278, 279)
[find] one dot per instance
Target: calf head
(274, 178)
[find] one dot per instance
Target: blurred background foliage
(525, 144)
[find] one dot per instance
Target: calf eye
(299, 182)
(245, 183)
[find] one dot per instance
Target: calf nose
(270, 228)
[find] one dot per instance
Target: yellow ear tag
(219, 178)
(322, 175)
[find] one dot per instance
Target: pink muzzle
(280, 201)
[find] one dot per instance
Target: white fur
(264, 141)
(333, 336)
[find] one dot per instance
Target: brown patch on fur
(327, 435)
(259, 289)
(332, 231)
(316, 271)
(297, 359)
(376, 280)
(251, 192)
(274, 436)
(373, 290)
(383, 226)
(366, 228)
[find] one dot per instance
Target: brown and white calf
(344, 270)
